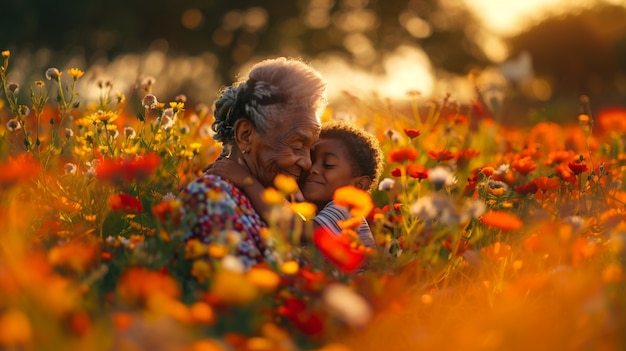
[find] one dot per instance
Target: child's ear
(363, 182)
(244, 133)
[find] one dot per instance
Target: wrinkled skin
(286, 148)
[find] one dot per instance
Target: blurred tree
(237, 30)
(579, 53)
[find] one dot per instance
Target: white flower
(431, 207)
(502, 169)
(149, 101)
(129, 132)
(70, 168)
(91, 168)
(351, 307)
(233, 264)
(441, 176)
(13, 125)
(386, 184)
(169, 196)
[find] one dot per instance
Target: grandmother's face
(285, 148)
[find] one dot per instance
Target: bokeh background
(534, 58)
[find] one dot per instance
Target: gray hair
(271, 89)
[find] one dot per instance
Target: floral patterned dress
(216, 211)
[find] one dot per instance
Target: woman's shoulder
(209, 181)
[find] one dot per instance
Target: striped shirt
(331, 214)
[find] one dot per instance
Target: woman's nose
(304, 161)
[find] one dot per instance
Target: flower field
(489, 237)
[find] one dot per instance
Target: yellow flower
(102, 116)
(286, 184)
(305, 209)
(272, 196)
(217, 250)
(263, 278)
(233, 288)
(177, 105)
(194, 248)
(75, 73)
(201, 270)
(195, 147)
(290, 267)
(6, 53)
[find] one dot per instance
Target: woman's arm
(239, 175)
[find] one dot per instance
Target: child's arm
(239, 175)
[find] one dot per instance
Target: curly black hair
(364, 147)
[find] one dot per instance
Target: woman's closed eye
(328, 165)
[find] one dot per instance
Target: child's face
(332, 169)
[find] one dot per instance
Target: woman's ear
(244, 133)
(363, 182)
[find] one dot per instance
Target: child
(343, 155)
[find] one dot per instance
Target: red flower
(412, 133)
(577, 167)
(125, 203)
(417, 171)
(137, 168)
(296, 311)
(338, 249)
(441, 155)
(402, 155)
(463, 156)
(397, 172)
(526, 189)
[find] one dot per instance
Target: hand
(233, 170)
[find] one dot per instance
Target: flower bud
(52, 73)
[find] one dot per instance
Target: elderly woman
(269, 119)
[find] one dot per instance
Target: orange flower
(166, 211)
(338, 249)
(136, 285)
(546, 183)
(488, 171)
(73, 255)
(125, 203)
(612, 120)
(441, 155)
(358, 201)
(501, 220)
(402, 155)
(524, 165)
(463, 156)
(19, 169)
(559, 156)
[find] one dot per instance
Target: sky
(508, 17)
